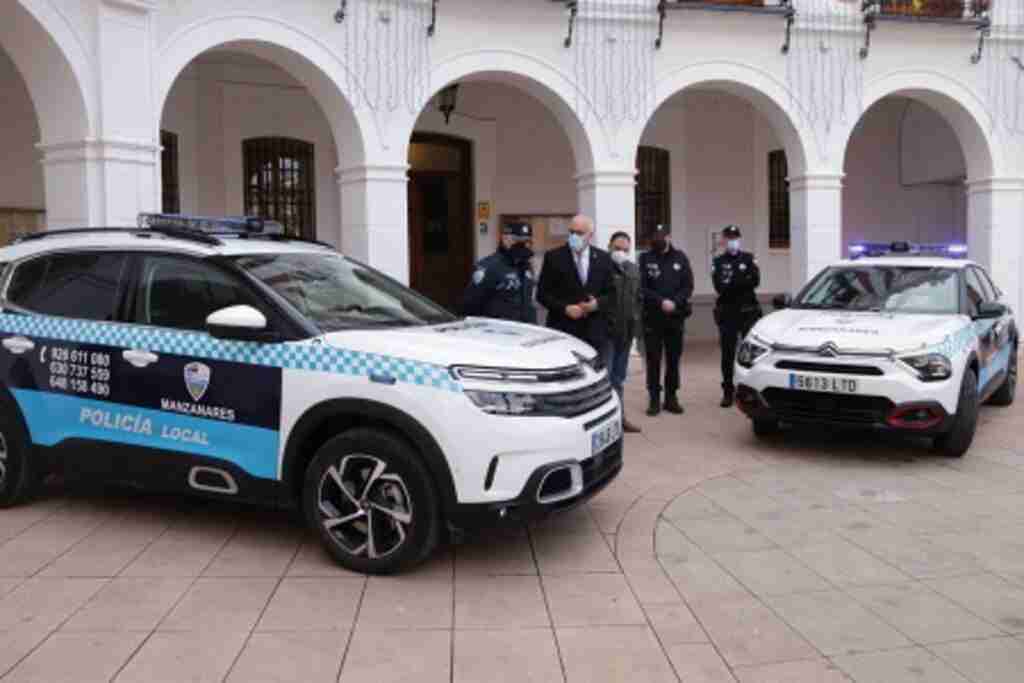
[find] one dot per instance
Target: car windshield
(900, 289)
(338, 294)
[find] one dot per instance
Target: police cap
(661, 230)
(731, 231)
(523, 231)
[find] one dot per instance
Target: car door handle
(18, 344)
(140, 358)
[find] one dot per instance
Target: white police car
(212, 356)
(903, 337)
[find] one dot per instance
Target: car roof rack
(206, 230)
(190, 235)
(902, 248)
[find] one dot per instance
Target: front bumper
(547, 491)
(800, 407)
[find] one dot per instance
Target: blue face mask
(733, 245)
(576, 242)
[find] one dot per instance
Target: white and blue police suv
(220, 357)
(912, 338)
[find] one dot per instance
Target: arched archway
(297, 52)
(527, 150)
(719, 148)
(54, 64)
(296, 117)
(926, 164)
(46, 86)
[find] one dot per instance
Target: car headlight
(502, 402)
(749, 352)
(930, 367)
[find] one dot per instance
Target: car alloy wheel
(364, 508)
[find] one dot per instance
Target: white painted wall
(917, 195)
(21, 174)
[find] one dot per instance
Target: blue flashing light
(861, 249)
(220, 225)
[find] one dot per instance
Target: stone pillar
(816, 224)
(609, 197)
(995, 218)
(374, 217)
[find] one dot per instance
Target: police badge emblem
(676, 266)
(197, 380)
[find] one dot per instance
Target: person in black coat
(666, 282)
(735, 275)
(502, 284)
(575, 286)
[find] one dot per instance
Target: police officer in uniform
(666, 282)
(502, 284)
(735, 275)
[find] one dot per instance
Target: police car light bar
(223, 225)
(861, 249)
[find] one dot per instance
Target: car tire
(371, 501)
(17, 477)
(764, 427)
(957, 440)
(1007, 391)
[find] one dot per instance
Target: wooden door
(440, 219)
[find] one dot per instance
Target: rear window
(85, 285)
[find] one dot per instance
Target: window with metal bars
(653, 193)
(778, 200)
(280, 179)
(169, 171)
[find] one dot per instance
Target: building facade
(406, 131)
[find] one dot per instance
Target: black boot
(672, 405)
(728, 394)
(654, 407)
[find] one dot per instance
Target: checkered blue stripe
(316, 357)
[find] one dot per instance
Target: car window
(337, 294)
(975, 291)
(180, 293)
(986, 284)
(73, 285)
(902, 289)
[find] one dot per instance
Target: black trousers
(663, 340)
(733, 325)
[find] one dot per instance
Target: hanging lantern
(446, 101)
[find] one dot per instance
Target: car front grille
(576, 402)
(831, 368)
(792, 405)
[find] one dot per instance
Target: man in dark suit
(575, 287)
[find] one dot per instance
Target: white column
(995, 218)
(816, 224)
(98, 182)
(609, 197)
(374, 217)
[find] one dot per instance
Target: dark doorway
(440, 217)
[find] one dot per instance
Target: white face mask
(733, 245)
(619, 256)
(577, 242)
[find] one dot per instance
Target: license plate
(826, 383)
(604, 436)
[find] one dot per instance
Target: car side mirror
(781, 301)
(239, 323)
(988, 310)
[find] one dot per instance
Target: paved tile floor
(809, 558)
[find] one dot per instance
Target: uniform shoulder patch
(478, 275)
